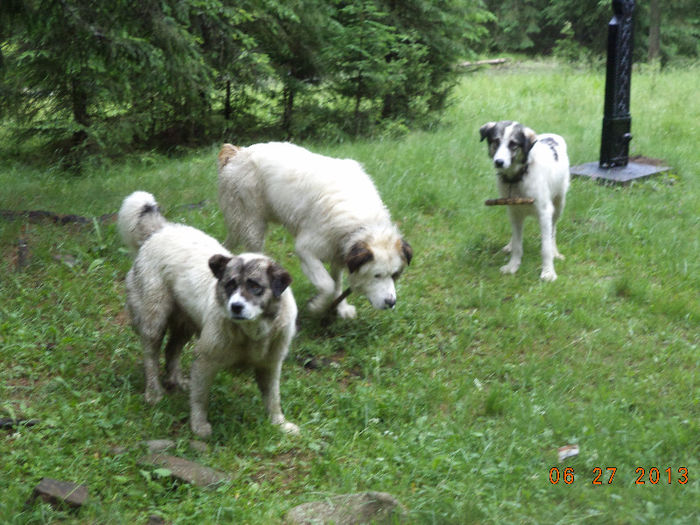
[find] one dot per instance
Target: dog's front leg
(268, 380)
(202, 375)
(313, 268)
(515, 246)
(345, 310)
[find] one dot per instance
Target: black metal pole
(617, 122)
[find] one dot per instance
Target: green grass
(457, 401)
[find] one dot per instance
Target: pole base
(620, 174)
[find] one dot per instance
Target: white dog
(185, 283)
(530, 166)
(330, 206)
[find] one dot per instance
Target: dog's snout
(390, 302)
(499, 163)
(236, 308)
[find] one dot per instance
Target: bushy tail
(138, 218)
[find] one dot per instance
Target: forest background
(78, 76)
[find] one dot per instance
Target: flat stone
(199, 446)
(185, 470)
(55, 492)
(349, 509)
(159, 445)
(618, 175)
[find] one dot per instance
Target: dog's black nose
(390, 302)
(499, 163)
(236, 308)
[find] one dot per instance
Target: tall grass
(457, 401)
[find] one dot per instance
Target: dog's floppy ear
(358, 255)
(530, 139)
(279, 279)
(486, 130)
(407, 251)
(217, 264)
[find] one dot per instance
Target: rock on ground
(348, 509)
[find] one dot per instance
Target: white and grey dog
(330, 206)
(185, 283)
(530, 166)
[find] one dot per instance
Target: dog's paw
(289, 428)
(510, 268)
(548, 275)
(202, 430)
(154, 395)
(346, 311)
(319, 304)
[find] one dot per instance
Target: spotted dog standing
(530, 166)
(185, 283)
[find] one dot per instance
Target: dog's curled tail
(228, 151)
(139, 217)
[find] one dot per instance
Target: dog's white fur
(171, 287)
(546, 180)
(330, 206)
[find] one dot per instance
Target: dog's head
(248, 285)
(374, 266)
(509, 145)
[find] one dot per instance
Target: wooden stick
(339, 300)
(508, 201)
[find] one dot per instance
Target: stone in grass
(159, 445)
(56, 493)
(349, 509)
(185, 470)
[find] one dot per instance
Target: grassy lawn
(455, 402)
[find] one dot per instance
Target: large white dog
(530, 166)
(330, 206)
(185, 283)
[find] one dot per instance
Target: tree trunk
(654, 31)
(79, 102)
(227, 102)
(358, 100)
(288, 100)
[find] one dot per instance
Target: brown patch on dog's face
(358, 255)
(248, 287)
(406, 251)
(228, 151)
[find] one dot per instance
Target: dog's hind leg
(152, 340)
(150, 307)
(558, 208)
(178, 336)
(546, 218)
(515, 246)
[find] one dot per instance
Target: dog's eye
(377, 275)
(513, 145)
(254, 287)
(230, 286)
